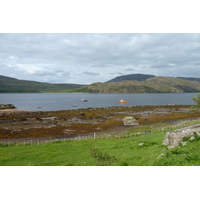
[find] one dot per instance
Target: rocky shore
(16, 124)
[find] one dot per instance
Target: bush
(196, 108)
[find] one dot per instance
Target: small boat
(75, 105)
(84, 100)
(122, 101)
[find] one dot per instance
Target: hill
(133, 83)
(152, 85)
(190, 78)
(135, 77)
(143, 77)
(12, 85)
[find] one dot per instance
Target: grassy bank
(121, 151)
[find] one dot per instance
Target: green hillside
(152, 85)
(117, 151)
(11, 85)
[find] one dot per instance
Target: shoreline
(13, 110)
(16, 124)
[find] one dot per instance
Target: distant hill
(12, 85)
(143, 84)
(190, 78)
(143, 77)
(131, 77)
(152, 85)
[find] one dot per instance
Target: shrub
(196, 108)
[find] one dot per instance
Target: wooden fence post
(94, 135)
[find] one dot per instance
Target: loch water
(66, 101)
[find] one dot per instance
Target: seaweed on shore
(68, 123)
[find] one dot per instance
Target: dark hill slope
(131, 77)
(143, 77)
(12, 85)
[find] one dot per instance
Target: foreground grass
(104, 152)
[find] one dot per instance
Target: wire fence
(94, 136)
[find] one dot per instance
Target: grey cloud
(46, 56)
(91, 73)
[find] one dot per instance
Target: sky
(85, 58)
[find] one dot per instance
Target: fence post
(94, 135)
(38, 142)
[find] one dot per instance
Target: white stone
(161, 155)
(192, 138)
(184, 143)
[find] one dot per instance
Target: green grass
(122, 151)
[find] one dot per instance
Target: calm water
(65, 101)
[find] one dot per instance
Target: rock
(184, 143)
(130, 121)
(7, 106)
(192, 138)
(161, 155)
(174, 138)
(141, 144)
(170, 147)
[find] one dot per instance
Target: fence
(116, 135)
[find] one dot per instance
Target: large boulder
(130, 121)
(174, 138)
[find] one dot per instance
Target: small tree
(196, 108)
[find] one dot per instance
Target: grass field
(123, 151)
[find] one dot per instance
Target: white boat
(84, 100)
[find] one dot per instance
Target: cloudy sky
(87, 58)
